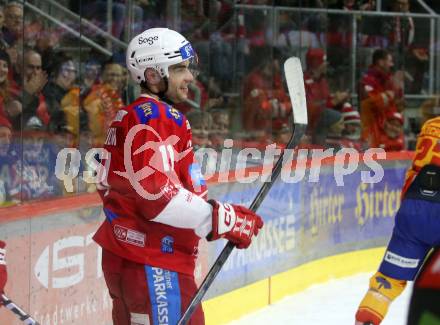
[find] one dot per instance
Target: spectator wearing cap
(389, 133)
(8, 157)
(351, 135)
(318, 93)
(378, 94)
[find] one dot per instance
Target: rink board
(54, 266)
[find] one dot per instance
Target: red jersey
(427, 150)
(266, 104)
(318, 98)
(151, 196)
(375, 102)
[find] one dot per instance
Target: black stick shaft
(227, 250)
(21, 314)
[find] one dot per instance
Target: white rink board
(331, 303)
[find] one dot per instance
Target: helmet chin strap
(160, 94)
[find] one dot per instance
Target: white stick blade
(297, 92)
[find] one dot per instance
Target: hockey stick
(295, 84)
(25, 318)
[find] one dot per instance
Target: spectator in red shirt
(317, 89)
(266, 103)
(378, 93)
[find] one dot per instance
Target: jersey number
(428, 152)
(167, 154)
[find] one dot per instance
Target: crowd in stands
(54, 96)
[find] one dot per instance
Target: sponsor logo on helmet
(186, 51)
(149, 40)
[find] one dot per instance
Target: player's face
(5, 140)
(179, 78)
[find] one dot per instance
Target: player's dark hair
(380, 54)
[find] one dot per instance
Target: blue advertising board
(309, 220)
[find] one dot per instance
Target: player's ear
(152, 76)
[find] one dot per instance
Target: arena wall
(314, 231)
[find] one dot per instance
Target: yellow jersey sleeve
(427, 150)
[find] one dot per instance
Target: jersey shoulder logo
(120, 115)
(147, 111)
(175, 115)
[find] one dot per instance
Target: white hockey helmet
(157, 48)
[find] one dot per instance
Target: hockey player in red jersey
(154, 195)
(416, 230)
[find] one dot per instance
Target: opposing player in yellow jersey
(416, 230)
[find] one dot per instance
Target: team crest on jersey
(129, 236)
(147, 111)
(175, 115)
(167, 245)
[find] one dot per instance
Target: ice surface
(330, 303)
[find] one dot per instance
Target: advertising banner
(54, 266)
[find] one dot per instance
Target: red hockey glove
(3, 274)
(234, 223)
